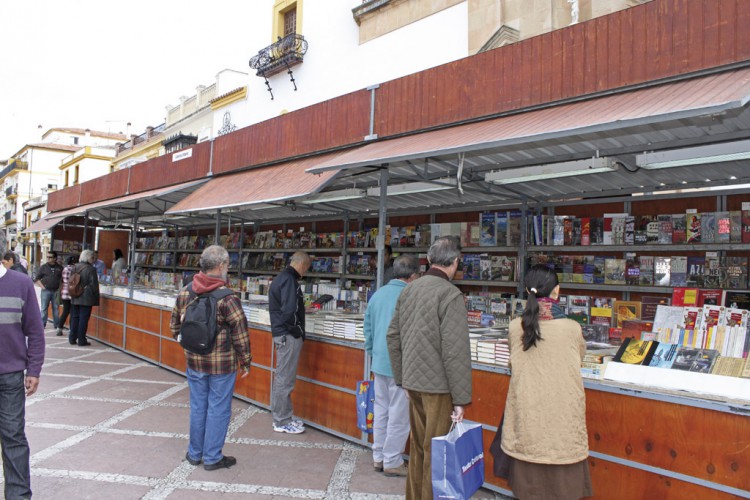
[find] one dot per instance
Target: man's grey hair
(444, 251)
(212, 257)
(299, 258)
(87, 256)
(404, 266)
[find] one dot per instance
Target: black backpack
(199, 329)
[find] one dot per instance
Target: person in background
(387, 264)
(48, 278)
(22, 350)
(24, 263)
(544, 429)
(64, 295)
(10, 261)
(286, 306)
(428, 342)
(391, 424)
(101, 269)
(80, 310)
(211, 377)
(118, 264)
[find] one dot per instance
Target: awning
(705, 96)
(264, 185)
(43, 224)
(155, 202)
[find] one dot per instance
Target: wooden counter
(643, 444)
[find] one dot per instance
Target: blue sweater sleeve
(34, 331)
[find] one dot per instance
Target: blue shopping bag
(458, 462)
(365, 405)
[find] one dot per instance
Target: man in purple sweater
(22, 341)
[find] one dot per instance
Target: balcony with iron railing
(13, 165)
(11, 191)
(279, 56)
(10, 217)
(138, 139)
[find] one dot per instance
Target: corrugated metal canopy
(264, 185)
(43, 224)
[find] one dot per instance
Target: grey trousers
(391, 424)
(288, 349)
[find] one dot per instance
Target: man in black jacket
(80, 309)
(48, 278)
(287, 309)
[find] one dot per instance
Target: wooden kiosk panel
(327, 407)
(166, 316)
(488, 397)
(261, 346)
(145, 344)
(173, 355)
(112, 309)
(109, 332)
(144, 318)
(256, 386)
(331, 363)
(707, 444)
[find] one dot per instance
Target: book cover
(636, 352)
(735, 226)
(475, 232)
(708, 227)
(595, 333)
(514, 228)
(614, 272)
(596, 230)
(745, 224)
(736, 299)
(709, 297)
(599, 268)
(712, 317)
(693, 226)
(578, 308)
(652, 231)
(695, 271)
(691, 316)
(678, 271)
(575, 238)
(471, 270)
(712, 271)
(578, 268)
(626, 310)
(558, 230)
(601, 310)
(684, 358)
(632, 269)
(568, 231)
(501, 228)
(629, 235)
(588, 268)
(585, 231)
(538, 234)
(646, 270)
(650, 303)
(684, 296)
(607, 236)
(519, 305)
(662, 268)
(641, 228)
(618, 229)
(665, 229)
(734, 270)
(679, 229)
(668, 318)
(664, 355)
(723, 227)
(488, 226)
(728, 366)
(704, 361)
(638, 329)
(485, 267)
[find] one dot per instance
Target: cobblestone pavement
(105, 424)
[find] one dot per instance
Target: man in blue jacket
(391, 423)
(286, 306)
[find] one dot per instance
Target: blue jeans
(79, 324)
(14, 445)
(210, 411)
(48, 297)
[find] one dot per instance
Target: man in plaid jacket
(211, 377)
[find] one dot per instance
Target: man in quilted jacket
(428, 343)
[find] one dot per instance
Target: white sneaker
(289, 428)
(298, 423)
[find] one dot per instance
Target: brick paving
(105, 424)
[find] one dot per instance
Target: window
(75, 141)
(290, 21)
(75, 174)
(67, 178)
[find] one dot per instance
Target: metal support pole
(85, 229)
(217, 229)
(380, 244)
(133, 234)
(523, 247)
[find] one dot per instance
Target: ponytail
(540, 281)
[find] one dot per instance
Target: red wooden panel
(64, 198)
(109, 332)
(173, 355)
(680, 205)
(113, 310)
(261, 346)
(105, 188)
(604, 37)
(694, 55)
(742, 34)
(165, 319)
(489, 390)
(256, 386)
(622, 42)
(328, 407)
(162, 171)
(725, 52)
(144, 317)
(640, 42)
(681, 50)
(333, 364)
(547, 67)
(590, 68)
(145, 344)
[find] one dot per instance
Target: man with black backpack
(210, 324)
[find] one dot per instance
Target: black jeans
(79, 323)
(64, 314)
(14, 444)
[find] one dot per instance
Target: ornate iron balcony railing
(280, 56)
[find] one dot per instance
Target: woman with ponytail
(544, 429)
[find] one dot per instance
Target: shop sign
(182, 155)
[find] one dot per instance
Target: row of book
(66, 246)
(709, 271)
(626, 229)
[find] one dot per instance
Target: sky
(100, 64)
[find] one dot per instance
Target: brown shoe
(400, 471)
(378, 466)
